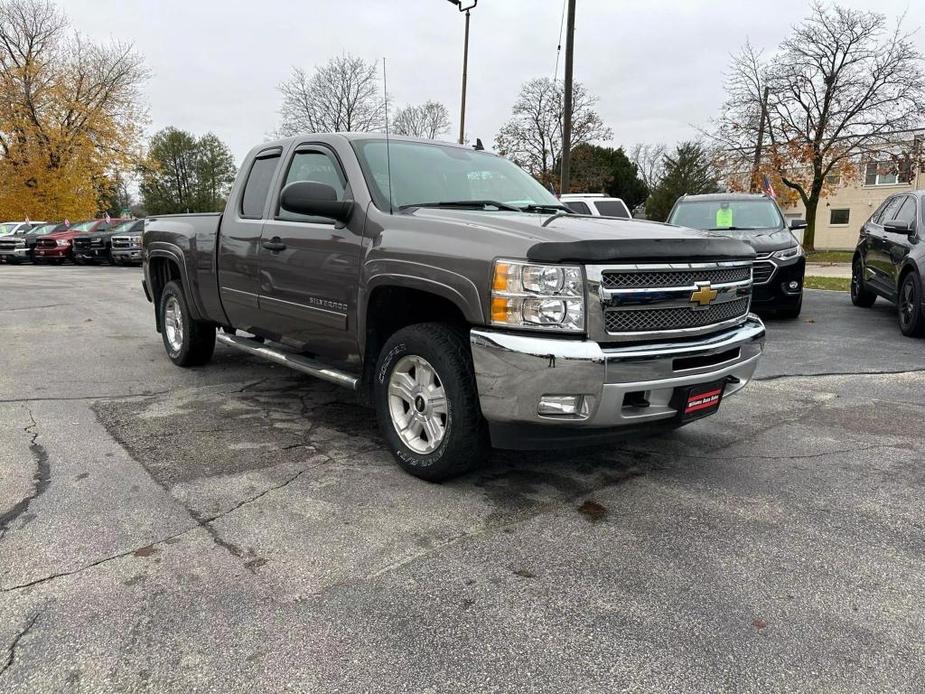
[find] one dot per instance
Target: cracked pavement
(238, 527)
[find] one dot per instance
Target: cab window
(576, 206)
(258, 186)
(318, 167)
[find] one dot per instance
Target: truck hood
(550, 238)
(763, 240)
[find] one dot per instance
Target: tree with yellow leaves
(70, 118)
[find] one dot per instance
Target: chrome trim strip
(770, 262)
(667, 267)
(305, 365)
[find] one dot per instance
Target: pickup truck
(457, 296)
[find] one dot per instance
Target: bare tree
(841, 86)
(650, 163)
(533, 136)
(340, 96)
(428, 120)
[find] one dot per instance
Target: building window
(837, 217)
(883, 173)
(833, 179)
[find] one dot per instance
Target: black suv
(780, 263)
(890, 260)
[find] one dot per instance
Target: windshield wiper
(734, 228)
(477, 204)
(542, 207)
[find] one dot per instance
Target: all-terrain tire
(188, 342)
(442, 353)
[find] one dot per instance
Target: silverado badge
(705, 294)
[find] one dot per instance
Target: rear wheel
(911, 319)
(427, 402)
(188, 342)
(860, 294)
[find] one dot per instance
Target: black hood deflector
(708, 248)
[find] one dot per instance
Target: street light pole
(465, 69)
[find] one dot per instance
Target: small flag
(768, 188)
(67, 222)
(108, 220)
(28, 221)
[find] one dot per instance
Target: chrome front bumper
(514, 372)
(127, 253)
(15, 252)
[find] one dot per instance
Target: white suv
(596, 204)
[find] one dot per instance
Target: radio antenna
(388, 149)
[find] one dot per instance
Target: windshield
(425, 173)
(746, 214)
(84, 226)
(124, 228)
(44, 229)
(7, 228)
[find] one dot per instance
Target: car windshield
(430, 174)
(44, 229)
(717, 215)
(124, 228)
(7, 228)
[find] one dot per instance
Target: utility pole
(756, 165)
(462, 108)
(567, 115)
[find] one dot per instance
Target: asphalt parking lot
(238, 527)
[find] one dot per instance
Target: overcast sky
(656, 66)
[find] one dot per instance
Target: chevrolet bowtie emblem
(704, 295)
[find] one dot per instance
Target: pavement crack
(11, 651)
(41, 478)
(901, 372)
(68, 398)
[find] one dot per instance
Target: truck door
(239, 240)
(309, 266)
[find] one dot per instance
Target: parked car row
(114, 241)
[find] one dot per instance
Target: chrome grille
(763, 270)
(654, 319)
(122, 242)
(643, 279)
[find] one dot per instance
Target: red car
(56, 248)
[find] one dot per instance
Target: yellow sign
(704, 296)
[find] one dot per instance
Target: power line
(555, 75)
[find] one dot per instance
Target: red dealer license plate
(699, 401)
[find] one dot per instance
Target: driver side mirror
(316, 200)
(898, 227)
(797, 224)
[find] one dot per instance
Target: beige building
(840, 216)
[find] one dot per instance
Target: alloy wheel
(173, 324)
(417, 404)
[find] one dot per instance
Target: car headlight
(544, 297)
(788, 253)
(136, 240)
(62, 242)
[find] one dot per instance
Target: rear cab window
(576, 206)
(257, 187)
(611, 208)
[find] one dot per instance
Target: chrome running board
(306, 365)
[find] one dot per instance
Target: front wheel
(911, 318)
(860, 294)
(427, 402)
(188, 342)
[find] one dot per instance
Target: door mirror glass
(797, 224)
(316, 200)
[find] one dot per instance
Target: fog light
(794, 285)
(561, 405)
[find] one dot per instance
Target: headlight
(788, 253)
(63, 242)
(135, 240)
(524, 295)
